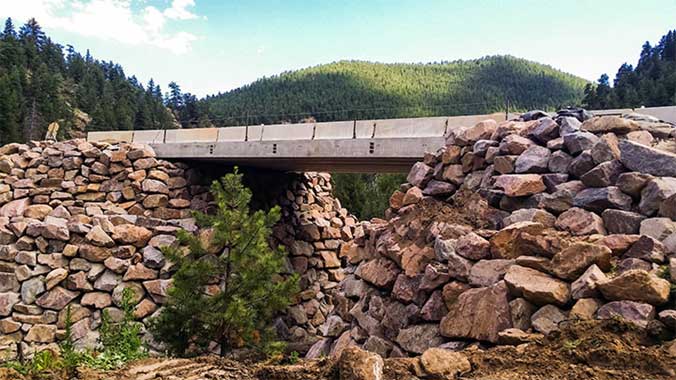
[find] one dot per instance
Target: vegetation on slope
(651, 83)
(348, 90)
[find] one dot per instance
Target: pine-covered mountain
(360, 90)
(651, 83)
(41, 82)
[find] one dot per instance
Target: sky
(211, 46)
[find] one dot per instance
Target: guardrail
(337, 130)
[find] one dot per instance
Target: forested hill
(360, 90)
(42, 82)
(651, 83)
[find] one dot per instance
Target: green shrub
(240, 269)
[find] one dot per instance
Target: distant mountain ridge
(347, 90)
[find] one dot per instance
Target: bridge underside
(387, 155)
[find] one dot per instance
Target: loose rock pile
(576, 220)
(80, 222)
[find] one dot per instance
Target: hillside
(360, 90)
(39, 84)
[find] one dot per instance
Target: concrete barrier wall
(278, 132)
(663, 113)
(419, 127)
(232, 134)
(105, 136)
(191, 135)
(254, 133)
(149, 137)
(335, 130)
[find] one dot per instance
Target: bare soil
(589, 350)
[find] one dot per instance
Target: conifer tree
(228, 285)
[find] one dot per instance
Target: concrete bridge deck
(389, 145)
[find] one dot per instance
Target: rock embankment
(575, 220)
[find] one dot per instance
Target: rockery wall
(512, 229)
(80, 222)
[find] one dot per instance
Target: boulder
(418, 338)
(612, 124)
(602, 198)
(632, 183)
(606, 149)
(357, 364)
(585, 308)
(578, 221)
(585, 285)
(639, 314)
(546, 320)
(412, 196)
(517, 185)
(636, 285)
(530, 215)
(559, 162)
(536, 287)
(438, 188)
(647, 248)
(515, 337)
(644, 159)
(604, 174)
(521, 312)
(574, 260)
(419, 174)
(444, 364)
(654, 193)
(658, 228)
(458, 267)
(472, 246)
(577, 142)
(581, 164)
(622, 222)
(380, 272)
(131, 234)
(489, 272)
(479, 314)
(535, 159)
(505, 243)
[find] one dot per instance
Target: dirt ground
(583, 350)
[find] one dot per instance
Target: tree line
(42, 82)
(651, 83)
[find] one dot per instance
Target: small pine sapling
(228, 285)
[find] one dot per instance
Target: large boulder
(536, 287)
(535, 159)
(644, 159)
(579, 221)
(637, 313)
(418, 338)
(439, 363)
(572, 261)
(612, 124)
(380, 272)
(636, 285)
(517, 185)
(601, 198)
(479, 314)
(357, 364)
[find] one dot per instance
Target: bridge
(388, 145)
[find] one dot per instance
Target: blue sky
(209, 46)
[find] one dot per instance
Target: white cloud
(178, 10)
(115, 20)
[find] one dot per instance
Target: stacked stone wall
(80, 222)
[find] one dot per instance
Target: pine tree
(228, 285)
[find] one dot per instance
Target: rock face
(81, 221)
